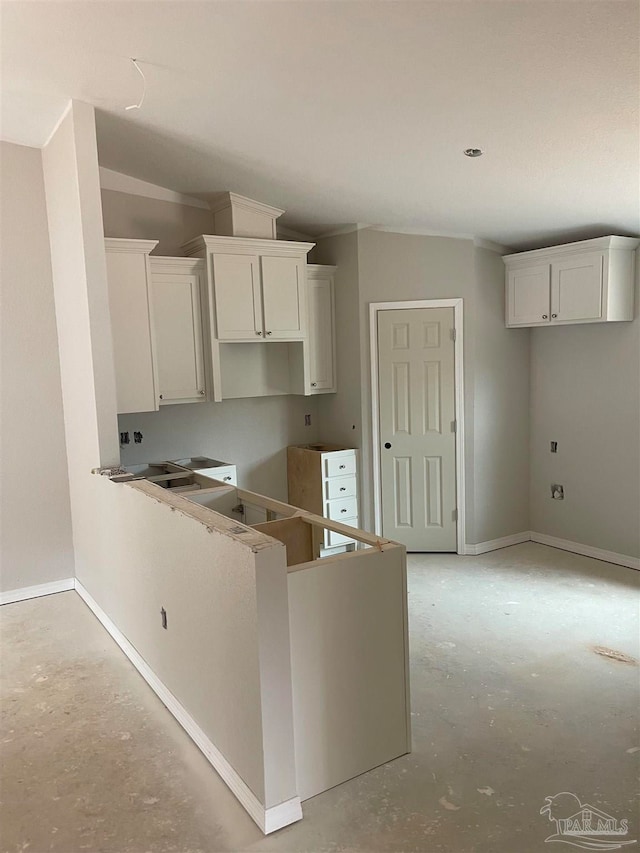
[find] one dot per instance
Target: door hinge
(454, 515)
(454, 334)
(454, 426)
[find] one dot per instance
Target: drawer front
(344, 508)
(226, 474)
(340, 487)
(340, 466)
(331, 538)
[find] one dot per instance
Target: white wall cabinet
(128, 275)
(321, 326)
(177, 285)
(587, 282)
(257, 287)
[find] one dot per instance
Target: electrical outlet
(307, 420)
(554, 447)
(557, 492)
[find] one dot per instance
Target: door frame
(458, 307)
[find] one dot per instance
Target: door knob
(387, 444)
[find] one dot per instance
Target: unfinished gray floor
(511, 703)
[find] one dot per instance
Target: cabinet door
(236, 285)
(576, 287)
(528, 296)
(321, 335)
(178, 332)
(131, 332)
(283, 281)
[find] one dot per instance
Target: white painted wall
(36, 544)
(131, 553)
(585, 394)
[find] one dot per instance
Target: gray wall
(253, 434)
(392, 267)
(340, 414)
(585, 395)
(501, 409)
(36, 518)
(128, 215)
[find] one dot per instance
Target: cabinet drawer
(340, 487)
(331, 538)
(342, 509)
(225, 474)
(340, 466)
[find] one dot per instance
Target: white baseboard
(587, 550)
(36, 591)
(495, 544)
(268, 819)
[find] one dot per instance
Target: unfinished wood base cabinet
(323, 479)
(587, 282)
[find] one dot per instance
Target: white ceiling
(344, 112)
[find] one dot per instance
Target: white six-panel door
(417, 427)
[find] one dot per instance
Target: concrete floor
(511, 704)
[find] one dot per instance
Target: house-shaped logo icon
(583, 825)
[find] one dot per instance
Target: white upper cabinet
(283, 297)
(587, 282)
(321, 314)
(237, 296)
(132, 330)
(257, 287)
(177, 285)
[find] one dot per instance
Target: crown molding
(245, 246)
(320, 270)
(121, 183)
(602, 243)
(124, 244)
(227, 199)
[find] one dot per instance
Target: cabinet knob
(313, 384)
(269, 333)
(343, 488)
(162, 396)
(226, 478)
(545, 316)
(201, 393)
(554, 315)
(387, 444)
(343, 510)
(343, 466)
(259, 333)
